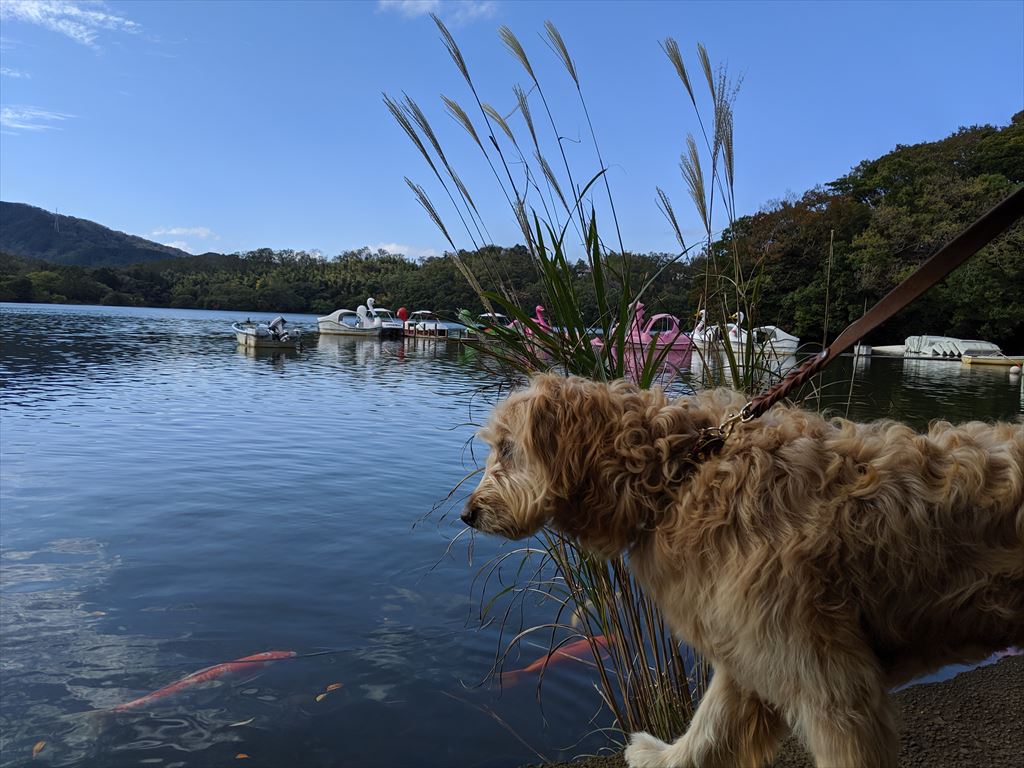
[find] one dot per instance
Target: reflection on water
(170, 501)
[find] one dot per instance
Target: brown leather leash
(945, 260)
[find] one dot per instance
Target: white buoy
(1014, 370)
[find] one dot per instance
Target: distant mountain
(37, 234)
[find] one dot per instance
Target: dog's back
(932, 534)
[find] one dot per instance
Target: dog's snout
(470, 513)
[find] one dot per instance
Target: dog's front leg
(844, 714)
(732, 728)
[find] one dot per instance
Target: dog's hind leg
(845, 716)
(732, 728)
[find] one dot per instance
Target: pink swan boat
(663, 331)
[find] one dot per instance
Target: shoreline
(974, 720)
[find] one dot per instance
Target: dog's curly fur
(815, 563)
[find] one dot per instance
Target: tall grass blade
(671, 49)
(705, 63)
(515, 47)
(563, 53)
(665, 205)
(460, 116)
(495, 115)
(689, 164)
(452, 47)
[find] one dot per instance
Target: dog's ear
(544, 411)
(573, 429)
(555, 420)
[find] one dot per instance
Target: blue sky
(231, 125)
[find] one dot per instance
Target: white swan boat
(272, 335)
(367, 320)
(768, 339)
(706, 335)
(771, 338)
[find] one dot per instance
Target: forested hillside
(881, 220)
(37, 234)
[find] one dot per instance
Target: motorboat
(771, 338)
(938, 348)
(481, 327)
(390, 326)
(272, 335)
(367, 320)
(426, 324)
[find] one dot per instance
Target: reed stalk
(648, 681)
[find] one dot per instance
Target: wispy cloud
(201, 232)
(80, 21)
(471, 10)
(8, 72)
(18, 118)
(457, 12)
(410, 8)
(181, 245)
(406, 250)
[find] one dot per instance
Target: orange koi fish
(256, 661)
(578, 650)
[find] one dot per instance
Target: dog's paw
(646, 751)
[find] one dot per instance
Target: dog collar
(710, 440)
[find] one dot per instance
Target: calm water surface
(169, 502)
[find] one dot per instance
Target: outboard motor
(276, 327)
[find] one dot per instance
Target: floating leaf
(333, 687)
(241, 756)
(241, 723)
(39, 746)
(320, 697)
(98, 613)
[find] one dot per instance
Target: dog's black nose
(469, 514)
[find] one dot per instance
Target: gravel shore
(974, 720)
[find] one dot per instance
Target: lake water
(169, 501)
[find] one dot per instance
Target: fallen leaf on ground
(38, 748)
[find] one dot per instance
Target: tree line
(853, 238)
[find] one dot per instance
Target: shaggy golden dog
(815, 563)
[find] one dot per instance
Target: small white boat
(425, 324)
(368, 321)
(938, 348)
(272, 335)
(390, 326)
(1005, 360)
(480, 328)
(771, 338)
(889, 350)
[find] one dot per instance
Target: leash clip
(726, 427)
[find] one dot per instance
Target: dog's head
(595, 461)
